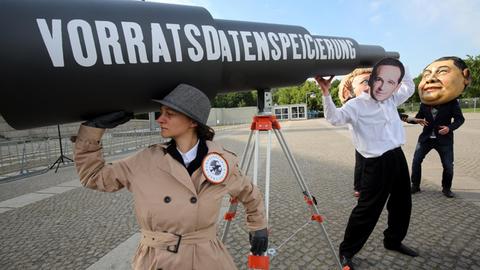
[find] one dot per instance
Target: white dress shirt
(375, 125)
(190, 155)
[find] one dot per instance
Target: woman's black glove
(259, 242)
(110, 120)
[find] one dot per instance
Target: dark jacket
(444, 117)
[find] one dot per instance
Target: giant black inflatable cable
(65, 61)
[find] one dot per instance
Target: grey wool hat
(188, 100)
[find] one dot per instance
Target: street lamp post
(311, 95)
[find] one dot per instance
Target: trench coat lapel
(178, 172)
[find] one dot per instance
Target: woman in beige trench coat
(177, 195)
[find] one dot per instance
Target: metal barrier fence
(465, 103)
(20, 158)
(470, 103)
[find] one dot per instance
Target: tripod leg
(245, 150)
(267, 174)
(255, 162)
(58, 163)
(229, 217)
(53, 165)
(250, 158)
(62, 157)
(291, 160)
(305, 191)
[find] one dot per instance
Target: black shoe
(448, 193)
(404, 250)
(346, 262)
(415, 189)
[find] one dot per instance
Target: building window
(281, 113)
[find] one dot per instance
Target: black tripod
(62, 157)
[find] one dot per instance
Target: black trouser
(357, 174)
(446, 156)
(383, 178)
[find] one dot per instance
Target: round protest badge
(215, 168)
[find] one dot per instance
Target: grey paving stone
(76, 228)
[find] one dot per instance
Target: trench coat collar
(202, 151)
(170, 165)
(178, 171)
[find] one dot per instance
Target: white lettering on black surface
(108, 43)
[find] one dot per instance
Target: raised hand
(109, 120)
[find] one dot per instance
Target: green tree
(306, 92)
(311, 95)
(334, 93)
(235, 99)
(415, 97)
(473, 90)
(282, 96)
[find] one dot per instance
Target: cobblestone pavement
(74, 229)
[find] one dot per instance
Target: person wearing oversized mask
(378, 135)
(353, 85)
(442, 82)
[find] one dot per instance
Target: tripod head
(264, 101)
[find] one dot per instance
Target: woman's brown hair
(205, 132)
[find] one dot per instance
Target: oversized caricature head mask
(354, 84)
(386, 77)
(443, 80)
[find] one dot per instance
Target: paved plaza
(49, 221)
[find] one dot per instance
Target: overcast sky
(420, 30)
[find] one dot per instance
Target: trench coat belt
(171, 241)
